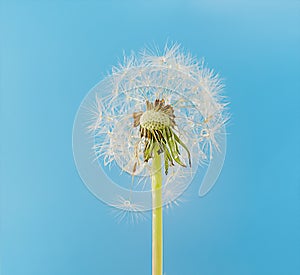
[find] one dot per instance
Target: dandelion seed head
(155, 96)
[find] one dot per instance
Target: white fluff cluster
(194, 92)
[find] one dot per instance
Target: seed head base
(157, 127)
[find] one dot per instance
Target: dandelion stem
(157, 214)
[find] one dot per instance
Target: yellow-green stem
(157, 216)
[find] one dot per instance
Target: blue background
(53, 52)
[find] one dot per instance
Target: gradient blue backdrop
(53, 52)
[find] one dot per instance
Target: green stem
(157, 215)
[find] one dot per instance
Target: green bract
(157, 127)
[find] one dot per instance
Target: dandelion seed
(128, 211)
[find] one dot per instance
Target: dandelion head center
(154, 120)
(157, 125)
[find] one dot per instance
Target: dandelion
(156, 118)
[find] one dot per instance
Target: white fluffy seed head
(154, 120)
(195, 94)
